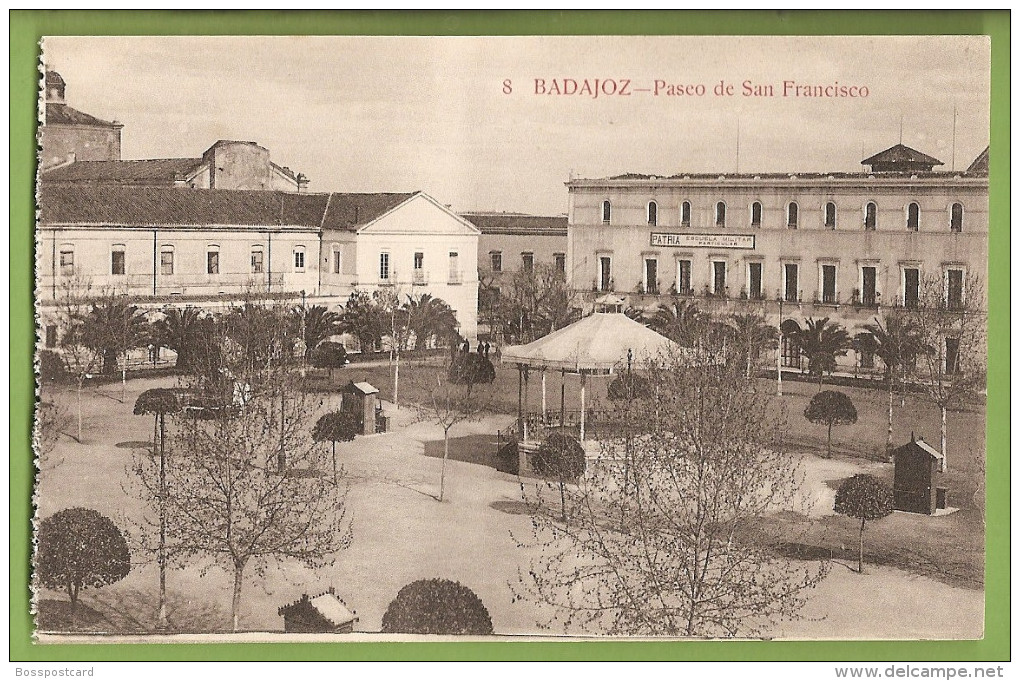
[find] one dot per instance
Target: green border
(26, 27)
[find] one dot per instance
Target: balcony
(419, 278)
(456, 278)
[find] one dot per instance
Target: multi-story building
(837, 245)
(67, 135)
(514, 241)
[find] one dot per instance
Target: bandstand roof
(597, 343)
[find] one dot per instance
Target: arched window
(756, 214)
(870, 216)
(791, 215)
(913, 217)
(653, 213)
(685, 213)
(607, 212)
(956, 218)
(720, 214)
(830, 215)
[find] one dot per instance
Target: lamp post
(779, 350)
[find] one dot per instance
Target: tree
(329, 355)
(317, 324)
(951, 333)
(363, 319)
(680, 321)
(446, 404)
(248, 486)
(159, 402)
(896, 343)
(437, 606)
(561, 460)
(752, 336)
(470, 369)
(669, 534)
(431, 321)
(79, 548)
(821, 342)
(182, 331)
(831, 408)
(864, 497)
(50, 421)
(533, 303)
(80, 354)
(336, 426)
(111, 329)
(627, 386)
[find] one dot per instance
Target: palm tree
(752, 335)
(112, 328)
(680, 321)
(897, 344)
(317, 324)
(430, 318)
(821, 342)
(177, 330)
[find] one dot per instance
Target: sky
(395, 114)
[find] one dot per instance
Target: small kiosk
(322, 614)
(917, 467)
(362, 399)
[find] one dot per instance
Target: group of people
(482, 349)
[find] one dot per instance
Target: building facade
(67, 135)
(838, 245)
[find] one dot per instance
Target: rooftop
(518, 223)
(62, 114)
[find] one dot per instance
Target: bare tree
(80, 356)
(51, 420)
(447, 404)
(668, 533)
(229, 493)
(951, 325)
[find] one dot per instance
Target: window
(257, 260)
(67, 260)
(653, 213)
(607, 212)
(454, 267)
(651, 275)
(419, 261)
(720, 214)
(791, 215)
(212, 260)
(830, 215)
(956, 218)
(605, 273)
(338, 261)
(685, 213)
(528, 262)
(384, 266)
(117, 260)
(496, 259)
(913, 217)
(51, 336)
(166, 261)
(954, 289)
(683, 276)
(869, 282)
(911, 286)
(299, 258)
(952, 355)
(870, 217)
(756, 214)
(867, 357)
(754, 291)
(829, 284)
(790, 283)
(719, 277)
(560, 262)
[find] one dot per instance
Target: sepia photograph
(511, 338)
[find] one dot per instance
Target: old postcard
(421, 338)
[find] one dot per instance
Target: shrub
(560, 459)
(627, 386)
(470, 368)
(336, 426)
(831, 408)
(78, 549)
(51, 366)
(436, 606)
(329, 355)
(864, 497)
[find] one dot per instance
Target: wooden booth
(362, 399)
(322, 614)
(917, 467)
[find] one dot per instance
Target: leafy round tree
(436, 606)
(329, 355)
(864, 497)
(336, 426)
(831, 408)
(628, 386)
(560, 459)
(79, 548)
(471, 368)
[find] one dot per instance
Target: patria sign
(703, 240)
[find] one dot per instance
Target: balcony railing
(418, 278)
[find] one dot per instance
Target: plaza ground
(401, 533)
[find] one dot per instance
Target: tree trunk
(888, 437)
(945, 431)
(396, 382)
(161, 621)
(81, 385)
(828, 443)
(563, 503)
(334, 462)
(860, 553)
(446, 455)
(72, 593)
(123, 380)
(235, 607)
